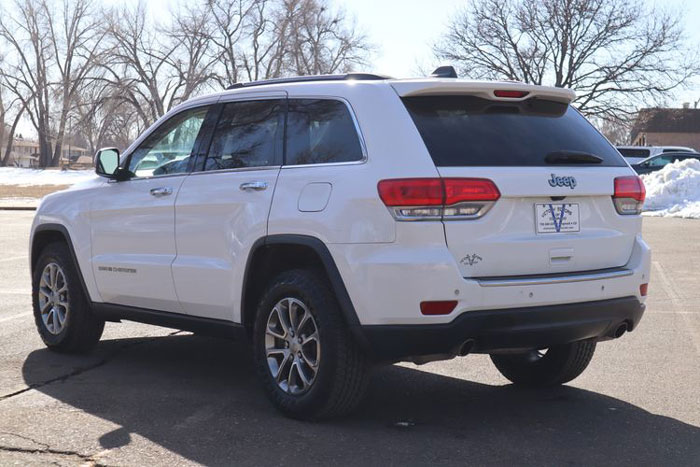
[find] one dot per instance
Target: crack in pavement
(41, 448)
(44, 448)
(79, 371)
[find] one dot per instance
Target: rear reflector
(629, 195)
(438, 308)
(438, 198)
(643, 289)
(510, 94)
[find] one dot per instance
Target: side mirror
(107, 164)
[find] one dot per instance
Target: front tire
(61, 311)
(535, 368)
(309, 365)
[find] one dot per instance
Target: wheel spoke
(52, 276)
(273, 351)
(291, 304)
(312, 363)
(61, 317)
(304, 319)
(284, 369)
(305, 381)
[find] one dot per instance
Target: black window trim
(219, 106)
(201, 157)
(355, 121)
(195, 149)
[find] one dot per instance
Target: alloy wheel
(53, 298)
(292, 346)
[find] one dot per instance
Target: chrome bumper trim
(553, 278)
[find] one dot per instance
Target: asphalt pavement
(152, 396)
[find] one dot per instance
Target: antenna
(444, 72)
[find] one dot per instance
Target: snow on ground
(33, 177)
(674, 191)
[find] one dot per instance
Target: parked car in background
(636, 154)
(652, 164)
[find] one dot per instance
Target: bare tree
(263, 39)
(155, 65)
(321, 41)
(614, 53)
(54, 50)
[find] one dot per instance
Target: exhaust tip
(466, 347)
(621, 329)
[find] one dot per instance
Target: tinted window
(168, 149)
(320, 131)
(248, 134)
(471, 131)
(634, 152)
(660, 161)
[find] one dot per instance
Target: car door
(133, 221)
(223, 206)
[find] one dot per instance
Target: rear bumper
(506, 329)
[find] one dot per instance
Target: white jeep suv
(343, 221)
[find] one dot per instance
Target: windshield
(470, 131)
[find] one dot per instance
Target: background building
(667, 127)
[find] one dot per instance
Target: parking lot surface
(152, 396)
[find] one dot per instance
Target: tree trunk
(11, 136)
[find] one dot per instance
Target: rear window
(464, 131)
(634, 152)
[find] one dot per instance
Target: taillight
(510, 94)
(438, 198)
(629, 195)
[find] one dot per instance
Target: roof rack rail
(303, 79)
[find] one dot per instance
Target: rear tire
(559, 365)
(61, 310)
(325, 377)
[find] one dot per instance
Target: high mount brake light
(629, 195)
(510, 94)
(438, 198)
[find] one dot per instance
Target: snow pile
(674, 191)
(33, 177)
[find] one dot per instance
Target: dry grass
(39, 191)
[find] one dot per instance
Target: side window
(660, 161)
(320, 131)
(248, 134)
(168, 149)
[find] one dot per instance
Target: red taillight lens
(438, 198)
(458, 190)
(629, 194)
(411, 192)
(438, 307)
(510, 94)
(643, 289)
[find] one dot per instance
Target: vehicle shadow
(198, 397)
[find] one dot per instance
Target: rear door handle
(256, 186)
(161, 191)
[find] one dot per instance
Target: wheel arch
(273, 254)
(45, 234)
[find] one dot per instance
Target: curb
(17, 208)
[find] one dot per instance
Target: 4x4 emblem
(562, 181)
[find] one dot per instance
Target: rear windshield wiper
(572, 157)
